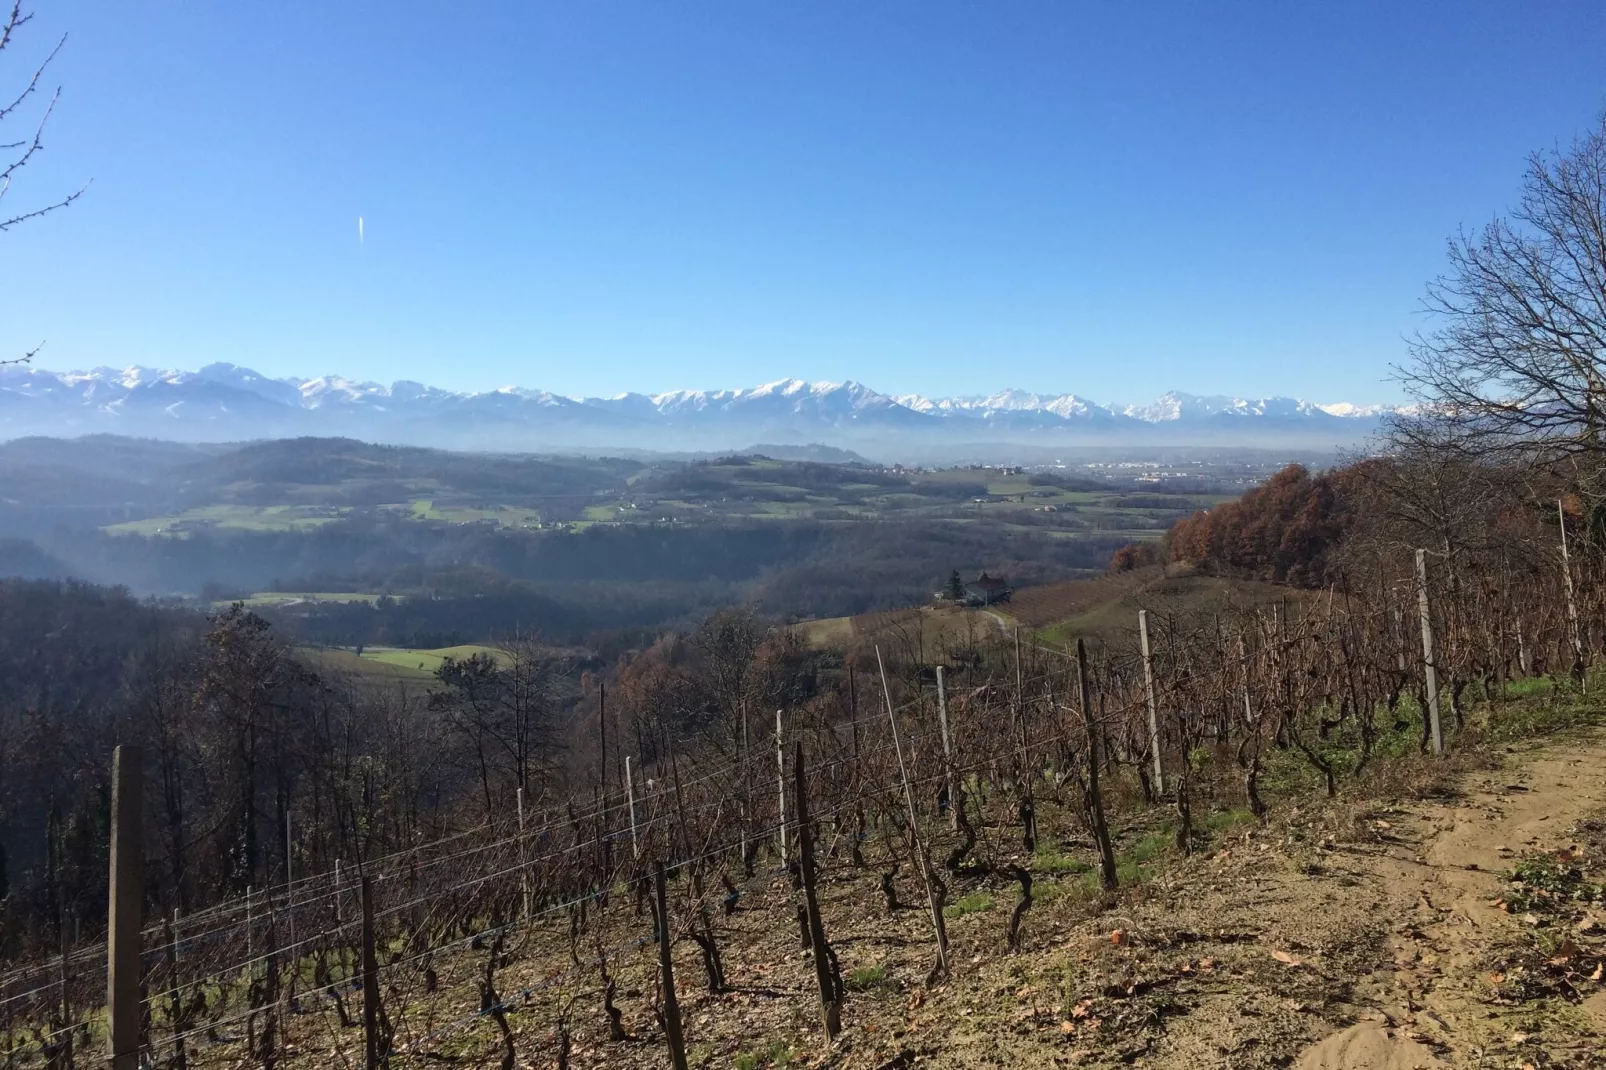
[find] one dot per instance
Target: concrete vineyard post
(630, 799)
(1154, 709)
(947, 752)
(1572, 601)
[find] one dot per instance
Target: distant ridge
(228, 402)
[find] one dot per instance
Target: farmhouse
(985, 590)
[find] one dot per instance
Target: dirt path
(1441, 872)
(1352, 936)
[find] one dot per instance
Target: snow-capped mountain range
(225, 402)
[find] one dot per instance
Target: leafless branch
(1518, 367)
(25, 358)
(28, 148)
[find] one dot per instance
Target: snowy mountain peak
(1174, 405)
(223, 400)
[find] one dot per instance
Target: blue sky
(939, 197)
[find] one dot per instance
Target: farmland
(470, 546)
(426, 661)
(506, 516)
(925, 630)
(1050, 613)
(305, 484)
(234, 516)
(389, 663)
(295, 598)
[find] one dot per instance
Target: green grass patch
(426, 660)
(974, 903)
(1047, 891)
(1221, 822)
(1531, 687)
(865, 978)
(1134, 863)
(1548, 710)
(1150, 845)
(1053, 862)
(777, 1054)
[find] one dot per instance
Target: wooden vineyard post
(125, 912)
(1572, 600)
(1154, 709)
(289, 888)
(923, 862)
(780, 778)
(1028, 808)
(1095, 800)
(947, 754)
(1430, 670)
(370, 980)
(743, 809)
(602, 736)
(666, 967)
(824, 975)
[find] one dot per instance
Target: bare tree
(22, 152)
(505, 710)
(1518, 365)
(17, 154)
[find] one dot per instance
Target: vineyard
(817, 856)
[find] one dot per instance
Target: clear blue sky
(1112, 199)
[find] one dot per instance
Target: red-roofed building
(985, 590)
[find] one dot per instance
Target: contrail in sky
(359, 230)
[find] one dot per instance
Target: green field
(506, 516)
(424, 661)
(238, 517)
(391, 662)
(346, 662)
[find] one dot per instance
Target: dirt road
(1436, 997)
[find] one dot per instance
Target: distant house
(985, 590)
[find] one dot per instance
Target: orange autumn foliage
(1282, 531)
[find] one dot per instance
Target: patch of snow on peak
(1348, 411)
